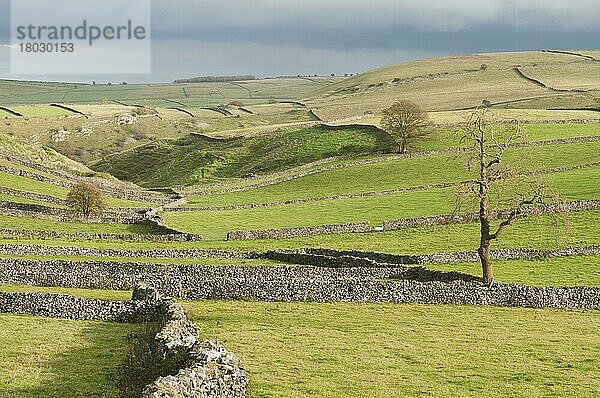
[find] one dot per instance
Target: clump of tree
(86, 199)
(488, 140)
(406, 122)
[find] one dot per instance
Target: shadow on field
(422, 274)
(87, 368)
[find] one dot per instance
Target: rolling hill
(535, 80)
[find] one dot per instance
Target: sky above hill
(289, 37)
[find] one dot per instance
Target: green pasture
(396, 350)
(401, 173)
(42, 357)
(187, 160)
(189, 94)
(544, 232)
(554, 271)
(572, 185)
(41, 111)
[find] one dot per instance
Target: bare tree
(488, 141)
(405, 122)
(86, 199)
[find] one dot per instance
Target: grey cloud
(425, 15)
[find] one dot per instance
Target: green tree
(86, 199)
(405, 122)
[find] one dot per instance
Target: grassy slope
(180, 162)
(42, 357)
(335, 350)
(401, 173)
(458, 82)
(28, 184)
(191, 94)
(573, 185)
(573, 229)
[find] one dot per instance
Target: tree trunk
(403, 146)
(486, 261)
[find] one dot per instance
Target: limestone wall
(356, 279)
(38, 234)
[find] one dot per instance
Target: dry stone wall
(210, 370)
(111, 216)
(69, 307)
(38, 234)
(32, 196)
(367, 281)
(39, 250)
(337, 258)
(300, 231)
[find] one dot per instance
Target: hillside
(518, 80)
(198, 159)
(330, 265)
(162, 94)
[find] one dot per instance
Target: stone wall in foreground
(209, 369)
(367, 280)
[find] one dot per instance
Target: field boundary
(410, 222)
(371, 283)
(206, 364)
(282, 176)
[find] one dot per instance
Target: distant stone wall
(320, 198)
(580, 205)
(300, 231)
(38, 234)
(111, 215)
(372, 283)
(413, 222)
(32, 196)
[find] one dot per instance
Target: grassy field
(557, 271)
(23, 183)
(294, 350)
(41, 357)
(452, 83)
(544, 232)
(190, 94)
(375, 209)
(185, 161)
(402, 173)
(334, 350)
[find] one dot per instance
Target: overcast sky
(289, 37)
